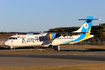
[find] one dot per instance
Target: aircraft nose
(5, 43)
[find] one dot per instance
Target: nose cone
(5, 43)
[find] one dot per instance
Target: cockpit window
(13, 38)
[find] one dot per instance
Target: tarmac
(52, 59)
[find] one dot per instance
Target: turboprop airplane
(52, 39)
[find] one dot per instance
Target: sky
(42, 15)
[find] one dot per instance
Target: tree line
(98, 31)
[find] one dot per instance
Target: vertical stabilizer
(86, 27)
(84, 30)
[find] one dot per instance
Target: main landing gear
(55, 47)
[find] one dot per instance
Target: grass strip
(60, 67)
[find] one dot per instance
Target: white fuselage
(36, 40)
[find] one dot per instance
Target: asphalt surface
(51, 59)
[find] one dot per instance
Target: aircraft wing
(70, 32)
(52, 35)
(59, 33)
(28, 33)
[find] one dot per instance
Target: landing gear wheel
(11, 47)
(57, 47)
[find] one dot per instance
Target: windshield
(12, 38)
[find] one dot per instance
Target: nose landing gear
(11, 47)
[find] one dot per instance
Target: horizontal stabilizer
(90, 19)
(86, 27)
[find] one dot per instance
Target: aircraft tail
(84, 30)
(86, 27)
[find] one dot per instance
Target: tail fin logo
(86, 26)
